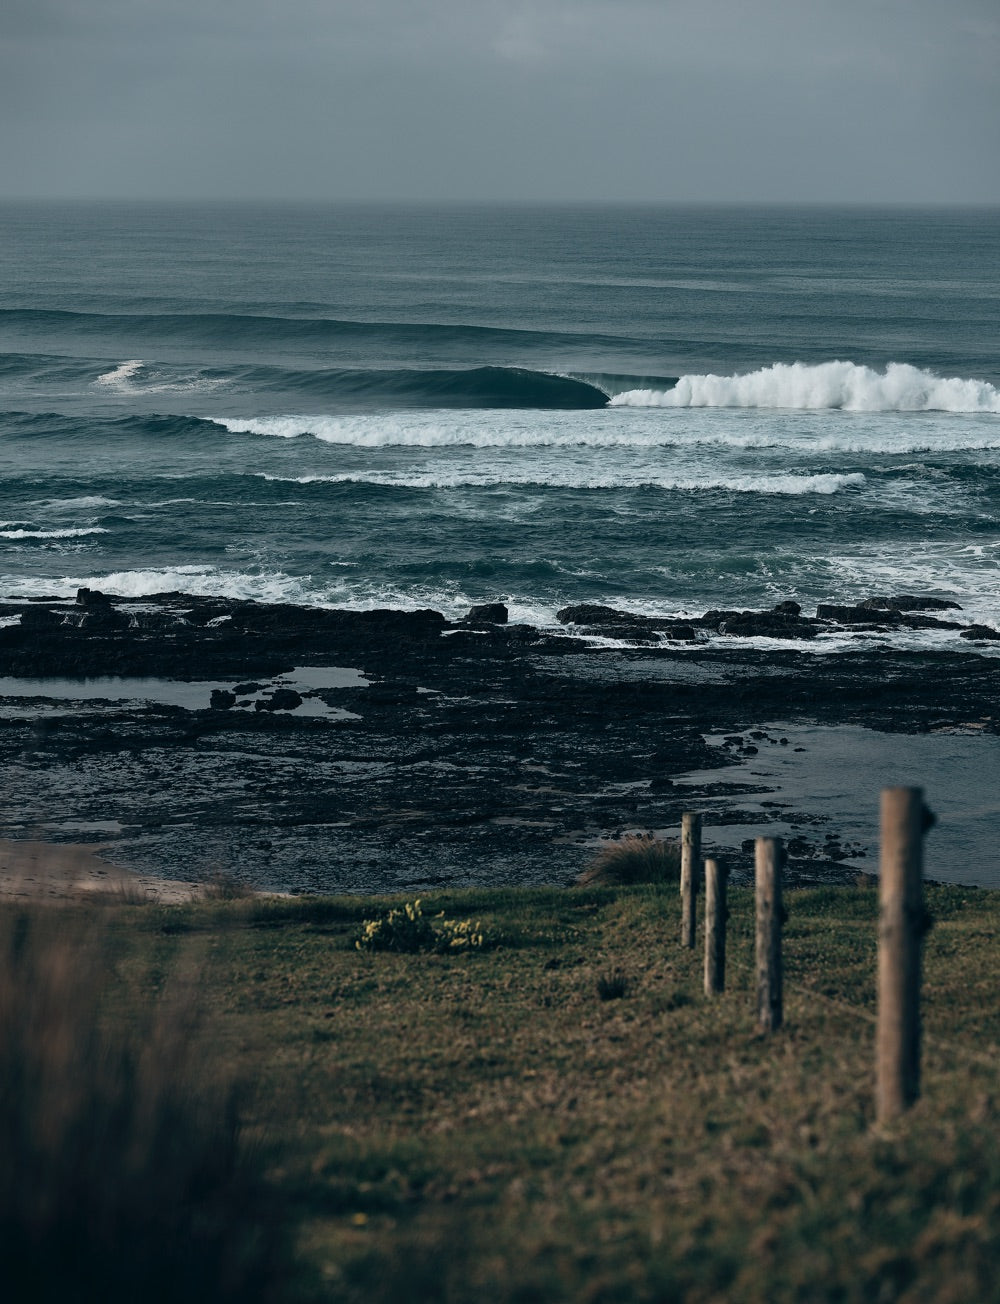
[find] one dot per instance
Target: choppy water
(666, 409)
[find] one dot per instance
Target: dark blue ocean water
(666, 409)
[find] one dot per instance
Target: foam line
(51, 534)
(572, 479)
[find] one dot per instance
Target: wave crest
(570, 478)
(52, 534)
(828, 385)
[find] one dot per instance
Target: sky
(502, 100)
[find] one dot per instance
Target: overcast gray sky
(662, 100)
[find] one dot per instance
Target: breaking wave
(829, 385)
(52, 534)
(572, 478)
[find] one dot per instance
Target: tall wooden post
(900, 930)
(690, 859)
(770, 859)
(715, 927)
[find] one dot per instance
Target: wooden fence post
(690, 859)
(715, 927)
(770, 859)
(900, 930)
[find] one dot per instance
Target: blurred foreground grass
(496, 1124)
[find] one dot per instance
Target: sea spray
(839, 385)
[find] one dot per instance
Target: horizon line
(498, 202)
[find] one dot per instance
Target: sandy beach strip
(64, 873)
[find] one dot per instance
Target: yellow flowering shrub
(407, 928)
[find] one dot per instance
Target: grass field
(502, 1123)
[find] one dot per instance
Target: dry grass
(636, 858)
(124, 1176)
(221, 886)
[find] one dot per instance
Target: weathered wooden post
(690, 860)
(769, 862)
(715, 927)
(901, 925)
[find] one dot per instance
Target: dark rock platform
(473, 752)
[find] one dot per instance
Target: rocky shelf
(463, 751)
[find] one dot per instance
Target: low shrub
(636, 858)
(613, 986)
(407, 929)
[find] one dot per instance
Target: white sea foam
(576, 478)
(967, 572)
(476, 430)
(825, 430)
(82, 504)
(126, 378)
(51, 534)
(358, 594)
(201, 579)
(120, 377)
(842, 385)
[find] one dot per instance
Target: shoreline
(443, 753)
(56, 873)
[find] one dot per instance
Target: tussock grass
(226, 887)
(124, 1175)
(613, 986)
(635, 858)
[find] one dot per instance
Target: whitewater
(664, 410)
(831, 385)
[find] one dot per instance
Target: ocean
(664, 409)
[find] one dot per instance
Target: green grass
(478, 1125)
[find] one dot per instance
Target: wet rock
(490, 613)
(282, 699)
(625, 633)
(788, 609)
(289, 622)
(103, 618)
(92, 598)
(981, 633)
(221, 700)
(98, 613)
(205, 612)
(419, 624)
(767, 624)
(681, 633)
(154, 622)
(40, 618)
(856, 615)
(590, 613)
(511, 759)
(927, 622)
(909, 602)
(713, 619)
(251, 687)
